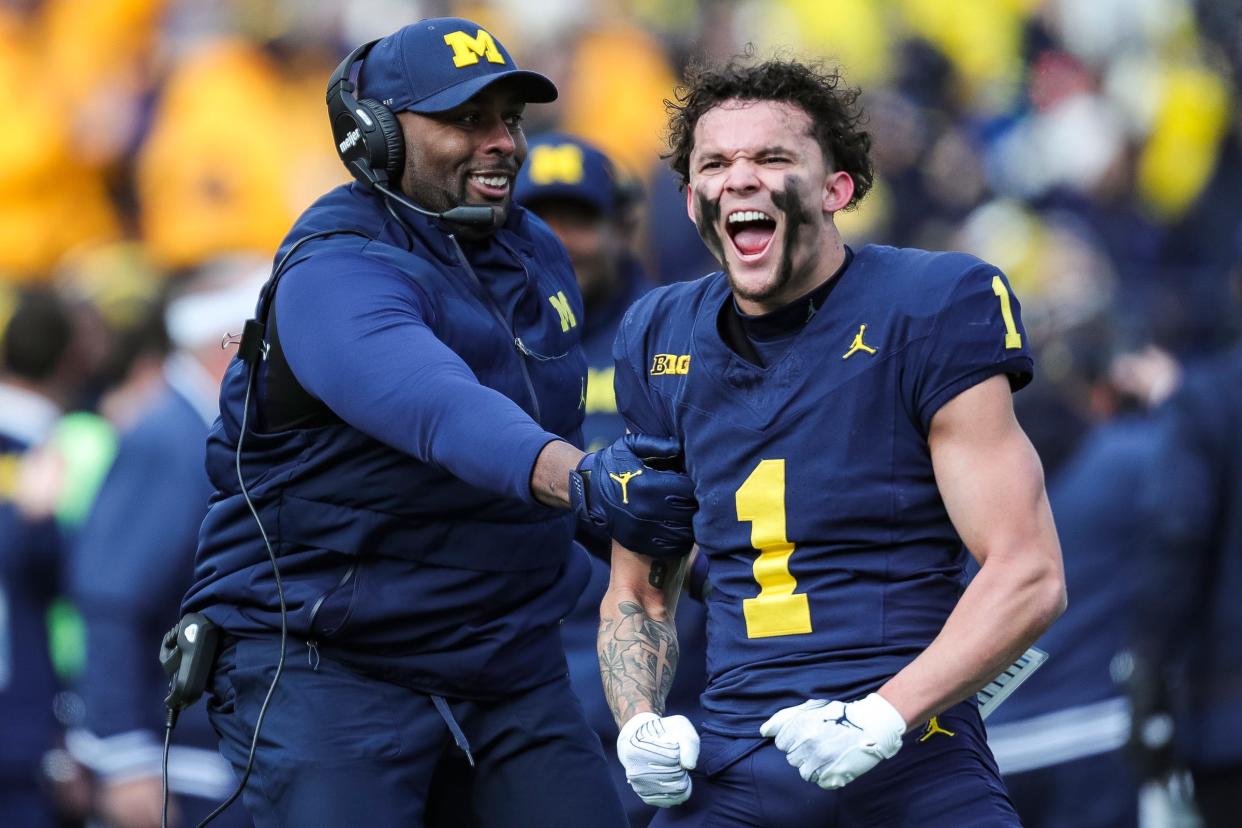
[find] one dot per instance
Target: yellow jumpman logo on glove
(624, 479)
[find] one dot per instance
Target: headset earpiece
(368, 138)
(391, 136)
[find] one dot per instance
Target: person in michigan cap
(576, 189)
(414, 459)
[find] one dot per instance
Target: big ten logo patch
(556, 164)
(467, 50)
(668, 364)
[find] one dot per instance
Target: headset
(366, 133)
(371, 145)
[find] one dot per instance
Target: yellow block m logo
(556, 164)
(568, 320)
(467, 50)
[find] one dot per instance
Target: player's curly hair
(835, 115)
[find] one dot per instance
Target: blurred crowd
(158, 151)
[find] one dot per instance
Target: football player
(846, 417)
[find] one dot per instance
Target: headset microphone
(473, 215)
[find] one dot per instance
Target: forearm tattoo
(637, 660)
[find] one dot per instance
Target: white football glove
(657, 753)
(834, 743)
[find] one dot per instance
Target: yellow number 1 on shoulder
(1013, 339)
(776, 610)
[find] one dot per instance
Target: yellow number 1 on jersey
(1013, 339)
(776, 610)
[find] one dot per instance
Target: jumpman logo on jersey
(624, 479)
(858, 344)
(933, 727)
(582, 395)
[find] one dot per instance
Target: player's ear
(690, 204)
(838, 190)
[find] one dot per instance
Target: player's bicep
(989, 475)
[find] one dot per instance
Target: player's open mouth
(492, 186)
(751, 232)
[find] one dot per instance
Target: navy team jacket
(31, 554)
(409, 541)
(1190, 568)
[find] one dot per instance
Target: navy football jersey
(833, 561)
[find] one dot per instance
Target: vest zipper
(312, 644)
(517, 340)
(312, 655)
(504, 323)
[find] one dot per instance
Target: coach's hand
(657, 753)
(834, 743)
(630, 490)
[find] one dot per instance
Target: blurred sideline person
(135, 558)
(1060, 741)
(574, 187)
(409, 447)
(33, 346)
(848, 422)
(116, 295)
(1188, 644)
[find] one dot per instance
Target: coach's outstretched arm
(637, 648)
(370, 356)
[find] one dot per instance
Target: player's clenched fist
(834, 743)
(657, 754)
(629, 490)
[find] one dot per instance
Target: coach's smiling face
(762, 197)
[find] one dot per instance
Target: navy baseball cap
(565, 168)
(442, 62)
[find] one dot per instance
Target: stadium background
(1091, 150)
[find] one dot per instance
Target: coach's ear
(838, 190)
(690, 205)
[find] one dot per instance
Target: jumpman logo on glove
(624, 479)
